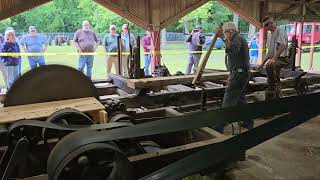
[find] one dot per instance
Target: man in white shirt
(276, 58)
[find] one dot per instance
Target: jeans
(12, 75)
(4, 73)
(193, 61)
(253, 60)
(112, 60)
(147, 61)
(235, 95)
(34, 61)
(86, 60)
(19, 67)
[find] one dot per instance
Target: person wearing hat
(127, 42)
(276, 58)
(34, 43)
(196, 41)
(2, 66)
(11, 62)
(237, 58)
(111, 47)
(146, 44)
(19, 65)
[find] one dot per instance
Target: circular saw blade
(49, 83)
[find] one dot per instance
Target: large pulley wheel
(49, 83)
(65, 117)
(120, 117)
(96, 161)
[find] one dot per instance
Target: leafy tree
(67, 16)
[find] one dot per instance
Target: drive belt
(217, 153)
(49, 125)
(302, 106)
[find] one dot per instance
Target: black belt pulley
(60, 159)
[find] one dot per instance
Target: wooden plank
(204, 61)
(41, 110)
(100, 117)
(160, 82)
(178, 149)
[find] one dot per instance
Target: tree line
(67, 16)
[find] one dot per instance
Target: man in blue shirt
(34, 43)
(111, 47)
(2, 66)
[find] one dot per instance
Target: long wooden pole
(203, 64)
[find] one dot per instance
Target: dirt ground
(294, 155)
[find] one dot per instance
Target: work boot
(247, 124)
(219, 128)
(271, 94)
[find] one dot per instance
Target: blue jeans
(86, 60)
(19, 67)
(3, 72)
(12, 75)
(34, 61)
(147, 61)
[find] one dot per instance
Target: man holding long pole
(237, 53)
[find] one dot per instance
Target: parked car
(219, 43)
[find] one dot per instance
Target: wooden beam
(42, 110)
(233, 7)
(125, 14)
(291, 8)
(21, 7)
(184, 12)
(161, 82)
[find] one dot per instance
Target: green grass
(175, 62)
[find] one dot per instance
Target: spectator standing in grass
(86, 41)
(34, 43)
(2, 66)
(11, 62)
(254, 51)
(111, 47)
(20, 60)
(146, 43)
(196, 41)
(127, 40)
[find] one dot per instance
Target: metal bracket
(13, 156)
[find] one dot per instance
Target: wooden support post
(312, 48)
(99, 117)
(301, 34)
(103, 116)
(155, 46)
(155, 28)
(300, 43)
(262, 45)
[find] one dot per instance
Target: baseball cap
(32, 28)
(229, 26)
(113, 27)
(198, 27)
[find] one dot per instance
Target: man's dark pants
(235, 95)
